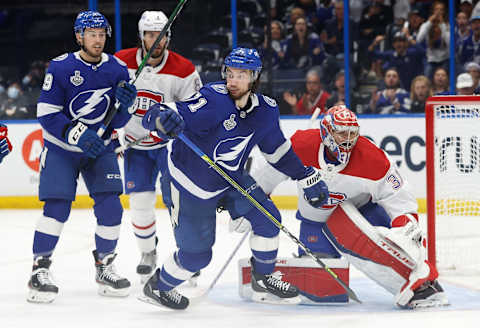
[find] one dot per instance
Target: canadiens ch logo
(76, 79)
(334, 199)
(230, 123)
(229, 152)
(145, 99)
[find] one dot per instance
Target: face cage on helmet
(340, 152)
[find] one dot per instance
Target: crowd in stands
(400, 52)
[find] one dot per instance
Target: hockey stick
(259, 206)
(172, 17)
(219, 274)
(314, 116)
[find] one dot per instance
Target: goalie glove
(407, 224)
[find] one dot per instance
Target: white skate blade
(148, 300)
(105, 290)
(436, 300)
(272, 299)
(35, 296)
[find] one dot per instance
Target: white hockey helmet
(152, 21)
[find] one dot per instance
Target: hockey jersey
(227, 135)
(369, 175)
(174, 79)
(75, 90)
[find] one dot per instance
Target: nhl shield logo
(76, 79)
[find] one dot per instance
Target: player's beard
(94, 52)
(157, 53)
(238, 95)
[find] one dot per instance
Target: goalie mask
(244, 58)
(339, 130)
(91, 19)
(153, 21)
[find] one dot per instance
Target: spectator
(338, 95)
(332, 36)
(470, 50)
(420, 90)
(375, 17)
(314, 96)
(393, 99)
(474, 70)
(324, 13)
(303, 48)
(462, 32)
(277, 38)
(412, 26)
(466, 6)
(407, 60)
(14, 106)
(440, 82)
(465, 85)
(437, 35)
(392, 29)
(295, 13)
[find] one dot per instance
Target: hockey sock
(108, 211)
(311, 235)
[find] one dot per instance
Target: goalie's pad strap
(352, 234)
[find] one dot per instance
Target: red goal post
(453, 181)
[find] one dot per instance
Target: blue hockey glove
(125, 95)
(164, 120)
(80, 135)
(315, 191)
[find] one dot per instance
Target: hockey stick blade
(262, 209)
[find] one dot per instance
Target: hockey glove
(408, 226)
(5, 145)
(125, 95)
(315, 190)
(80, 135)
(164, 120)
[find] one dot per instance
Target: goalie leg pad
(142, 209)
(367, 249)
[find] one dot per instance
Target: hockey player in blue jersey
(226, 120)
(78, 91)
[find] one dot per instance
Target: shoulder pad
(61, 57)
(270, 101)
(220, 88)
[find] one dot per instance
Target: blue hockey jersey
(227, 135)
(75, 90)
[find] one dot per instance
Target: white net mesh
(457, 186)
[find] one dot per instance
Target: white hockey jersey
(175, 79)
(369, 175)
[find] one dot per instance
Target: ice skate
(42, 288)
(147, 265)
(271, 289)
(109, 282)
(170, 299)
(430, 294)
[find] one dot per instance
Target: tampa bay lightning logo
(90, 106)
(229, 152)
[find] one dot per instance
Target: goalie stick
(314, 116)
(262, 209)
(172, 17)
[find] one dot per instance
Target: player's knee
(142, 207)
(107, 209)
(262, 225)
(194, 261)
(58, 209)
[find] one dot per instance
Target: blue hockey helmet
(91, 19)
(245, 58)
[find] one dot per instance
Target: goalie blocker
(315, 284)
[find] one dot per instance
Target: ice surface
(79, 305)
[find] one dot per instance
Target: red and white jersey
(174, 79)
(369, 175)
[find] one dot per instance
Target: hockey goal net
(453, 182)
